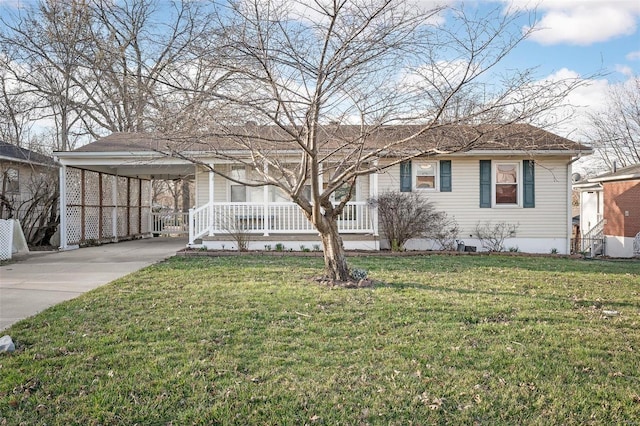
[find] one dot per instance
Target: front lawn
(251, 340)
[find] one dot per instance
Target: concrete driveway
(42, 279)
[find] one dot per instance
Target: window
(506, 183)
(341, 192)
(11, 181)
(425, 177)
(238, 191)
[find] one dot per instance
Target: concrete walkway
(39, 280)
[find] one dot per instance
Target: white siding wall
(548, 220)
(202, 186)
(221, 186)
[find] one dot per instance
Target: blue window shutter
(529, 191)
(485, 183)
(445, 175)
(405, 176)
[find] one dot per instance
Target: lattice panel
(74, 193)
(133, 221)
(107, 190)
(91, 188)
(74, 228)
(122, 191)
(91, 223)
(107, 222)
(6, 239)
(146, 193)
(134, 193)
(146, 212)
(122, 222)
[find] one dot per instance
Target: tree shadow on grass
(523, 294)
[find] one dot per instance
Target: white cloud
(583, 22)
(571, 117)
(633, 56)
(625, 70)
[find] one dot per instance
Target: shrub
(406, 215)
(492, 236)
(445, 232)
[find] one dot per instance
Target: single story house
(22, 171)
(28, 191)
(610, 212)
(516, 174)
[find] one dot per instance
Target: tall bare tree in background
(94, 67)
(303, 70)
(616, 129)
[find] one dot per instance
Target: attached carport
(106, 196)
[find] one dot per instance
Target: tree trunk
(335, 261)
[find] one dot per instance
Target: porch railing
(270, 218)
(169, 223)
(592, 242)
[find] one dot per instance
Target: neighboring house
(28, 190)
(519, 175)
(610, 212)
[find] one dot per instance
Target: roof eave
(631, 176)
(26, 161)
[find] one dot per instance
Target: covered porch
(108, 198)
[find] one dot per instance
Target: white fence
(169, 223)
(11, 239)
(271, 218)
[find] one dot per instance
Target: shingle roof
(514, 137)
(15, 153)
(623, 173)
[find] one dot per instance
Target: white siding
(547, 220)
(221, 186)
(202, 186)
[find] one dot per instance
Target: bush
(492, 236)
(406, 215)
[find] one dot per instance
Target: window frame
(494, 184)
(10, 186)
(241, 169)
(416, 164)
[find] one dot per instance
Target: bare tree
(95, 67)
(303, 71)
(616, 134)
(42, 48)
(15, 112)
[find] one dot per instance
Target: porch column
(373, 193)
(265, 216)
(211, 198)
(114, 213)
(320, 180)
(64, 244)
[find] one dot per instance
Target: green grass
(250, 340)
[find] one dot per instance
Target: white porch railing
(223, 218)
(169, 223)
